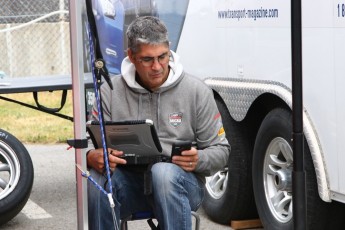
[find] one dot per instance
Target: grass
(32, 126)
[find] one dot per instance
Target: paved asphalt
(52, 204)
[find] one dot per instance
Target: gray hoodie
(183, 108)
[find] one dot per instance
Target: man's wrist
(87, 160)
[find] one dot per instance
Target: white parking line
(33, 211)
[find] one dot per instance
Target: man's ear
(130, 55)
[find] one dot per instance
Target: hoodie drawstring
(140, 106)
(158, 110)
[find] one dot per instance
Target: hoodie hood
(128, 72)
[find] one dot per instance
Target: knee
(165, 175)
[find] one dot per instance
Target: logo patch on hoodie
(175, 119)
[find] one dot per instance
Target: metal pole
(298, 174)
(78, 105)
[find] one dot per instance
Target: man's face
(152, 64)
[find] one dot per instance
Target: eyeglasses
(148, 61)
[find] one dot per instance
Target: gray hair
(146, 30)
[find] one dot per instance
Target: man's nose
(156, 64)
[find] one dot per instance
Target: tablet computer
(137, 139)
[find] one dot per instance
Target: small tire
(272, 176)
(229, 193)
(16, 176)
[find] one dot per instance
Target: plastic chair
(149, 216)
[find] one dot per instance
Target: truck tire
(229, 193)
(16, 176)
(272, 176)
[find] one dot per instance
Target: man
(154, 86)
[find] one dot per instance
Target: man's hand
(188, 159)
(95, 159)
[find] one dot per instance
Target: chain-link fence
(34, 38)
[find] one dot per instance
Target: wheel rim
(216, 184)
(9, 170)
(277, 179)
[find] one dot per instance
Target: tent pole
(78, 91)
(298, 174)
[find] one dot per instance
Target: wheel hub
(283, 180)
(216, 184)
(277, 179)
(9, 170)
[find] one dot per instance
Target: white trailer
(242, 48)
